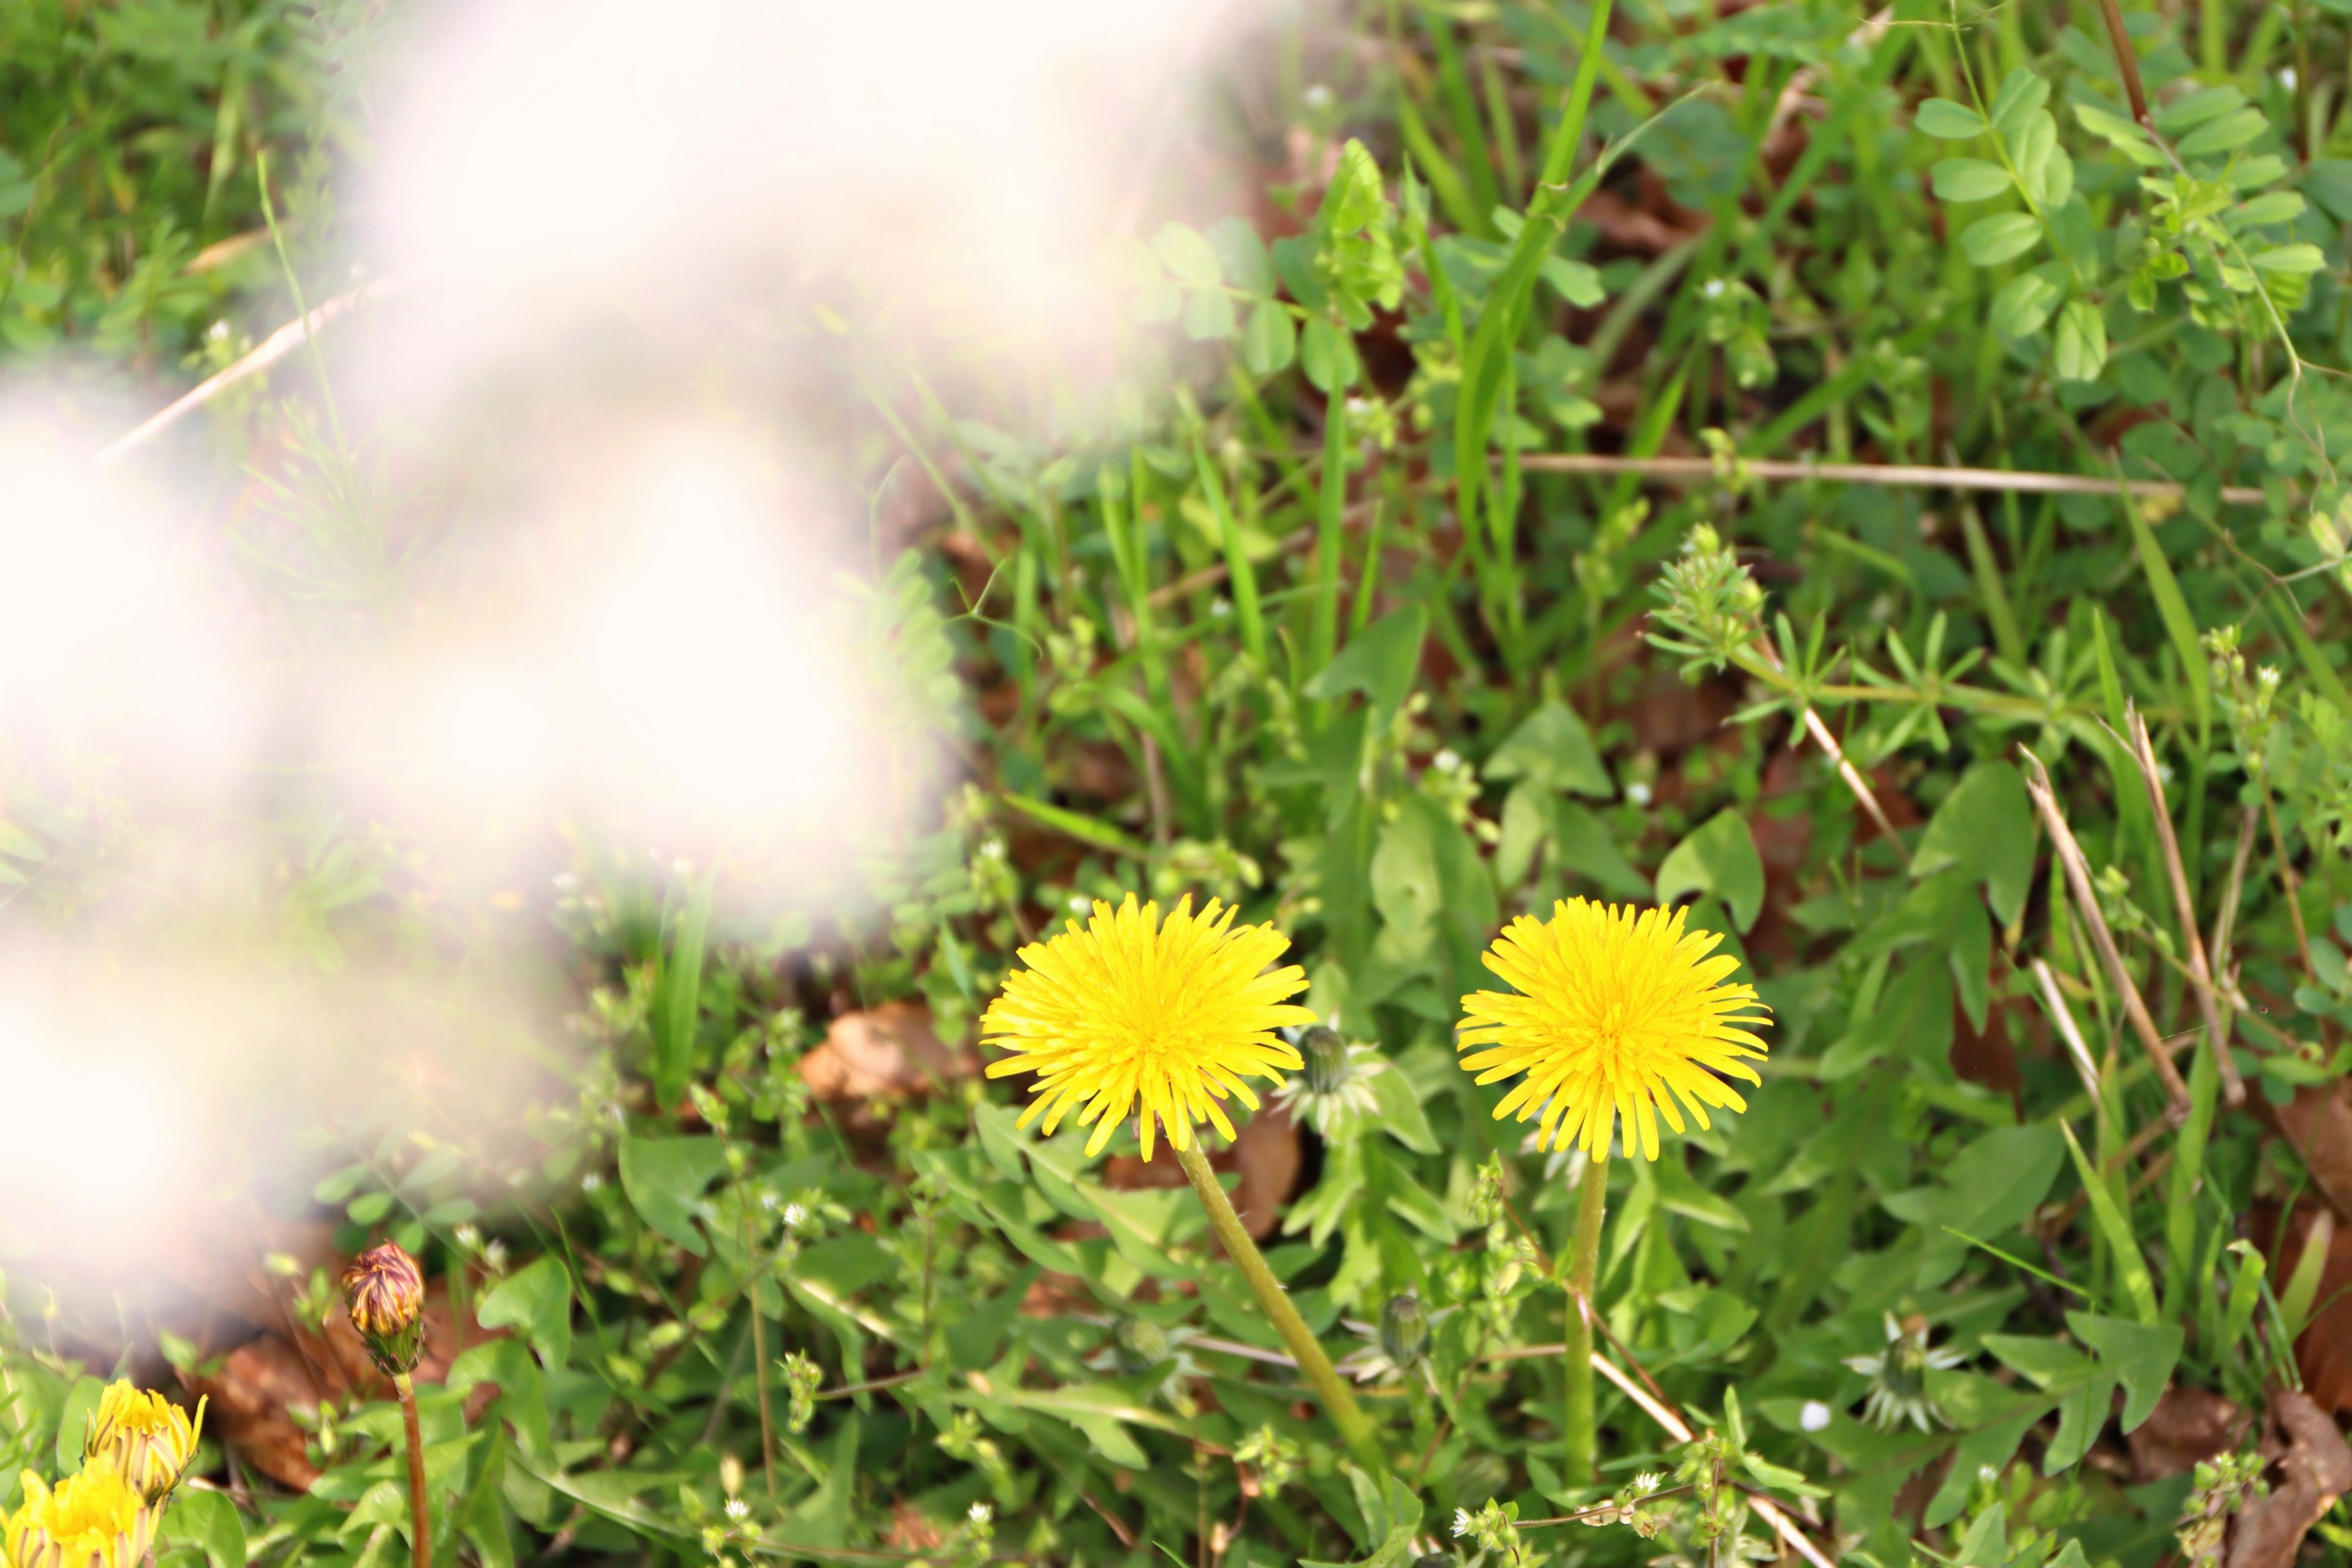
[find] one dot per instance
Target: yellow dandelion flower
(94, 1520)
(143, 1437)
(1128, 1012)
(1618, 1014)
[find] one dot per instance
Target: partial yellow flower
(94, 1520)
(1129, 1013)
(1618, 1014)
(143, 1437)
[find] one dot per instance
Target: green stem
(1355, 1428)
(1583, 1271)
(420, 1515)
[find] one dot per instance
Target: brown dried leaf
(2315, 1469)
(2188, 1426)
(888, 1050)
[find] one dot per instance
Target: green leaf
(2021, 93)
(664, 1178)
(1552, 748)
(1329, 355)
(1085, 829)
(1270, 341)
(1720, 859)
(2179, 625)
(1380, 662)
(2199, 107)
(1400, 1115)
(1948, 121)
(207, 1520)
(2223, 136)
(2081, 346)
(1578, 282)
(73, 1422)
(2290, 259)
(2117, 1229)
(846, 1263)
(1995, 1182)
(2142, 1355)
(1970, 180)
(536, 1299)
(1581, 843)
(1208, 315)
(2002, 236)
(2024, 305)
(1188, 257)
(680, 1011)
(1241, 254)
(1985, 827)
(1989, 1448)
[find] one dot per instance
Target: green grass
(1349, 661)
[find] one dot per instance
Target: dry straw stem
(268, 351)
(2225, 924)
(2064, 1016)
(1908, 476)
(2200, 973)
(2087, 900)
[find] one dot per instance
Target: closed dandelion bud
(1142, 1345)
(93, 1519)
(1325, 1050)
(386, 1292)
(143, 1437)
(1404, 1331)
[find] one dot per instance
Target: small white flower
(982, 1513)
(1814, 1417)
(2286, 78)
(1446, 761)
(738, 1509)
(768, 1201)
(1638, 792)
(1078, 904)
(793, 1215)
(1219, 609)
(591, 1182)
(1461, 1521)
(218, 332)
(1714, 289)
(1647, 1482)
(1987, 1473)
(1318, 97)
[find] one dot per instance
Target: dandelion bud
(1141, 1345)
(93, 1519)
(386, 1292)
(1404, 1331)
(1328, 1066)
(143, 1437)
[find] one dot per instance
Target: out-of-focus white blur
(581, 174)
(651, 644)
(119, 641)
(594, 546)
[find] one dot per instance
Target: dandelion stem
(1592, 1202)
(420, 1514)
(1355, 1428)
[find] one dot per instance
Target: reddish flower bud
(386, 1292)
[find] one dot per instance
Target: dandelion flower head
(1616, 1012)
(92, 1520)
(143, 1437)
(1131, 1014)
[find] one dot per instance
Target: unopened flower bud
(385, 1292)
(1328, 1066)
(144, 1437)
(1404, 1331)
